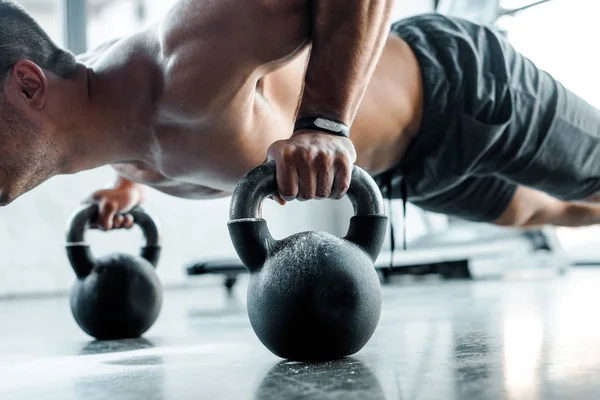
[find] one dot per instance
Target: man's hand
(347, 38)
(312, 165)
(113, 205)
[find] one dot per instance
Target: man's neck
(99, 130)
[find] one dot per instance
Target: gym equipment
(478, 251)
(465, 250)
(118, 296)
(312, 296)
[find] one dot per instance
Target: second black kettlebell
(117, 296)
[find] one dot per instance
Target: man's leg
(494, 200)
(527, 128)
(555, 161)
(530, 208)
(566, 162)
(498, 118)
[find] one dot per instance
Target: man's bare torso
(214, 90)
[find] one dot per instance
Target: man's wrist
(322, 124)
(124, 183)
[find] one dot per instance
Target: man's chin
(6, 198)
(11, 191)
(4, 201)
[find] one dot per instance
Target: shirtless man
(453, 118)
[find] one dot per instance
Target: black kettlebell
(117, 296)
(312, 296)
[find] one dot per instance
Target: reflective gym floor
(514, 339)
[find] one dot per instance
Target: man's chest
(215, 153)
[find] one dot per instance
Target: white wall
(32, 257)
(405, 8)
(32, 232)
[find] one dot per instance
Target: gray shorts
(492, 121)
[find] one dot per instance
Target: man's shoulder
(129, 67)
(141, 48)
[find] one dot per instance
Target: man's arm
(348, 37)
(530, 208)
(115, 203)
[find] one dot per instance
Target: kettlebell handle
(78, 250)
(261, 182)
(252, 239)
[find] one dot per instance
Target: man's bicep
(480, 199)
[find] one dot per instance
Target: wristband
(324, 125)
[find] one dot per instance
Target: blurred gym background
(559, 35)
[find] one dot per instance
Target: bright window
(117, 18)
(48, 14)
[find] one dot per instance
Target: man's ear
(27, 85)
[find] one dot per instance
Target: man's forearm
(570, 215)
(124, 183)
(347, 40)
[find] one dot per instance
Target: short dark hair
(21, 37)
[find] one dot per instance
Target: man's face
(25, 154)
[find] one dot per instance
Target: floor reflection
(116, 346)
(348, 378)
(138, 383)
(523, 338)
(471, 368)
(505, 340)
(142, 378)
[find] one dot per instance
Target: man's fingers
(128, 222)
(277, 199)
(325, 176)
(109, 220)
(118, 221)
(341, 183)
(287, 181)
(107, 215)
(123, 221)
(312, 165)
(307, 179)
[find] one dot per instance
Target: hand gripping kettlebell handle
(261, 182)
(78, 250)
(252, 239)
